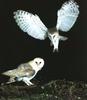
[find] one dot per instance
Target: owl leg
(31, 83)
(56, 46)
(27, 81)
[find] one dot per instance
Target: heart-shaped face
(37, 64)
(54, 40)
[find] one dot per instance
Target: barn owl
(25, 72)
(33, 26)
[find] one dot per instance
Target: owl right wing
(67, 16)
(31, 24)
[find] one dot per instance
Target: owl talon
(27, 81)
(55, 50)
(31, 83)
(25, 72)
(34, 27)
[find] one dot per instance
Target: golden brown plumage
(25, 72)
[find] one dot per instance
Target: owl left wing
(25, 70)
(29, 75)
(26, 74)
(31, 24)
(67, 16)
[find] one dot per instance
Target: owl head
(37, 64)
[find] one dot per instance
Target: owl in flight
(25, 72)
(33, 26)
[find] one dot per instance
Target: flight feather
(31, 24)
(67, 16)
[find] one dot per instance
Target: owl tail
(10, 73)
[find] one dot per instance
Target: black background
(17, 47)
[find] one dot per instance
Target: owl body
(33, 26)
(25, 72)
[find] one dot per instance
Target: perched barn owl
(31, 24)
(25, 72)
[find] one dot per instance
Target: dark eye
(39, 62)
(54, 36)
(36, 62)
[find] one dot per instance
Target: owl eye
(36, 62)
(54, 36)
(40, 62)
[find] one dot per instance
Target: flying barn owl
(25, 72)
(33, 26)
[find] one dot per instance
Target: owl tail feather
(10, 73)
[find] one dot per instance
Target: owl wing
(23, 74)
(25, 70)
(31, 24)
(67, 16)
(30, 74)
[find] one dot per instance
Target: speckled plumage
(25, 72)
(31, 24)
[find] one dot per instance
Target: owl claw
(31, 83)
(55, 50)
(27, 81)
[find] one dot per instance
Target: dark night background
(17, 47)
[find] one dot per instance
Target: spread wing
(67, 16)
(31, 24)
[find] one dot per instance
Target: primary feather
(67, 16)
(31, 24)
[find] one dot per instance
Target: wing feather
(67, 16)
(31, 24)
